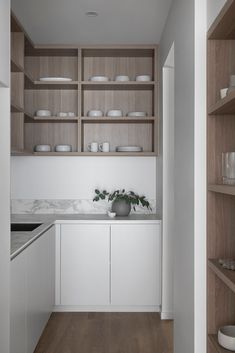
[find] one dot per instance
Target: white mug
(104, 147)
(93, 147)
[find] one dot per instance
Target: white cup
(228, 167)
(223, 92)
(104, 147)
(93, 147)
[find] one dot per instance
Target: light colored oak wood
(17, 131)
(224, 106)
(224, 25)
(215, 347)
(223, 189)
(17, 89)
(117, 119)
(98, 154)
(17, 48)
(227, 276)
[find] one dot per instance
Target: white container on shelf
(63, 148)
(223, 92)
(95, 113)
(122, 78)
(62, 115)
(43, 113)
(226, 337)
(228, 168)
(143, 78)
(42, 148)
(137, 114)
(57, 79)
(115, 113)
(99, 78)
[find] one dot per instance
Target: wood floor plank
(106, 333)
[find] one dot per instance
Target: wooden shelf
(214, 342)
(117, 119)
(15, 67)
(97, 154)
(226, 276)
(51, 119)
(222, 189)
(16, 108)
(132, 85)
(225, 106)
(224, 25)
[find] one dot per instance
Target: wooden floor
(106, 333)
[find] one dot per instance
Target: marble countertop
(21, 240)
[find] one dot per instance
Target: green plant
(129, 196)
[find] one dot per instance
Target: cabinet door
(18, 305)
(135, 265)
(40, 286)
(85, 264)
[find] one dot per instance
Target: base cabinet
(32, 293)
(135, 265)
(85, 264)
(107, 267)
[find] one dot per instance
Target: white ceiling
(119, 21)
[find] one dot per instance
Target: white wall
(77, 177)
(213, 9)
(185, 24)
(4, 43)
(4, 176)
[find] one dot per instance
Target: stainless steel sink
(24, 227)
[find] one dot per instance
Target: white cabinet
(85, 264)
(18, 304)
(32, 292)
(109, 266)
(40, 286)
(136, 265)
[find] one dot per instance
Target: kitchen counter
(21, 240)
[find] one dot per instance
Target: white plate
(42, 113)
(95, 113)
(42, 148)
(129, 149)
(143, 78)
(63, 148)
(49, 79)
(99, 78)
(137, 114)
(122, 78)
(114, 113)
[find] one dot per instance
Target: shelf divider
(222, 189)
(226, 276)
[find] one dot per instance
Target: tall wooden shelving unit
(81, 95)
(221, 198)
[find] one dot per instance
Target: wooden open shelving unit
(29, 94)
(220, 198)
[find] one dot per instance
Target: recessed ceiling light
(91, 13)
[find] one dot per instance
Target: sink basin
(24, 227)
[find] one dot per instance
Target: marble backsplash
(26, 206)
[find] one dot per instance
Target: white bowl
(51, 79)
(122, 78)
(99, 78)
(43, 112)
(114, 113)
(223, 92)
(136, 114)
(226, 337)
(63, 148)
(42, 148)
(143, 78)
(95, 113)
(111, 214)
(62, 115)
(71, 114)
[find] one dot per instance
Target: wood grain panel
(54, 100)
(17, 131)
(17, 89)
(119, 134)
(127, 101)
(55, 66)
(17, 48)
(50, 133)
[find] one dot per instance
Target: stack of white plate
(43, 113)
(115, 113)
(143, 78)
(129, 149)
(138, 114)
(51, 79)
(99, 78)
(42, 148)
(95, 113)
(122, 78)
(63, 148)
